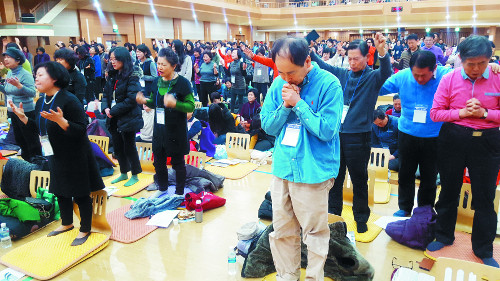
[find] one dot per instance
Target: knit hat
(15, 54)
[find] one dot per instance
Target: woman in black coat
(61, 123)
(87, 68)
(124, 114)
(77, 84)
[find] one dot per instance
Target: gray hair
(475, 46)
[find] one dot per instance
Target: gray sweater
(25, 94)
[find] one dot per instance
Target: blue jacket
(387, 136)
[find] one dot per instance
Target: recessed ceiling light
(398, 18)
(225, 19)
(474, 16)
(194, 16)
(295, 22)
(97, 5)
(447, 17)
(153, 11)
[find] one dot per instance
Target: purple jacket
(41, 58)
(248, 111)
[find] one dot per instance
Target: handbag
(44, 208)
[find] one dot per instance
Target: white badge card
(113, 103)
(46, 147)
(143, 83)
(9, 98)
(160, 116)
(291, 135)
(259, 72)
(344, 113)
(420, 113)
(233, 79)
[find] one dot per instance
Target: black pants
(457, 149)
(394, 164)
(89, 91)
(29, 144)
(236, 99)
(415, 151)
(97, 89)
(85, 207)
(103, 83)
(206, 88)
(126, 151)
(354, 155)
(261, 88)
(160, 164)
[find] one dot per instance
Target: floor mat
(382, 192)
(126, 230)
(233, 172)
(272, 276)
(47, 257)
(461, 249)
(124, 191)
(373, 229)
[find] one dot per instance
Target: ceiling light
(398, 18)
(194, 16)
(457, 29)
(250, 22)
(428, 29)
(386, 30)
(295, 22)
(225, 19)
(361, 31)
(153, 11)
(474, 16)
(447, 17)
(97, 5)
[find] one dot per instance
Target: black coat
(127, 114)
(73, 167)
(88, 72)
(77, 84)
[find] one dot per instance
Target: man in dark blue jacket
(385, 135)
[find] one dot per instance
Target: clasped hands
(472, 109)
(290, 95)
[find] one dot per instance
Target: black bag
(44, 207)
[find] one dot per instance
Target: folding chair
(451, 269)
(348, 192)
(102, 142)
(145, 151)
(465, 212)
(39, 179)
(238, 146)
(196, 159)
(379, 162)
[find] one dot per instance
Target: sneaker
(402, 213)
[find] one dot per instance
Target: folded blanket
(16, 178)
(145, 207)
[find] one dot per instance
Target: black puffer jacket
(126, 114)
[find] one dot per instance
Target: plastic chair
(348, 192)
(447, 269)
(2, 98)
(3, 114)
(198, 104)
(196, 159)
(102, 142)
(39, 179)
(334, 218)
(99, 221)
(145, 151)
(465, 212)
(238, 146)
(379, 162)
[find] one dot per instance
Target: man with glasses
(429, 46)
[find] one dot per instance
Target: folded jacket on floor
(16, 178)
(193, 172)
(145, 207)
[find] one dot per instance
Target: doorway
(119, 38)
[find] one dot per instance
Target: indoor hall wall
(218, 31)
(161, 29)
(234, 33)
(259, 36)
(192, 30)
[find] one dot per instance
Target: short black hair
(207, 53)
(197, 50)
(396, 97)
(296, 49)
(214, 96)
(492, 44)
(328, 50)
(171, 57)
(360, 45)
(378, 114)
(254, 91)
(423, 59)
(261, 50)
(68, 55)
(81, 51)
(239, 53)
(412, 36)
(41, 49)
(430, 34)
(143, 48)
(475, 46)
(57, 72)
(122, 55)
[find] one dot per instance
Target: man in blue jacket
(385, 135)
(303, 110)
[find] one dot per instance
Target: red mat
(462, 250)
(126, 230)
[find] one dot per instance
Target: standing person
(396, 107)
(429, 46)
(398, 50)
(208, 76)
(340, 59)
(104, 62)
(28, 55)
(61, 123)
(41, 56)
(124, 114)
(372, 52)
(77, 84)
(260, 76)
(413, 47)
(197, 61)
(418, 134)
(148, 67)
(97, 63)
(303, 110)
(470, 137)
(186, 65)
(262, 60)
(172, 98)
(361, 86)
(87, 68)
(238, 72)
(19, 88)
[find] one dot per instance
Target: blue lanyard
(40, 116)
(350, 72)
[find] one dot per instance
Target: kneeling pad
(272, 276)
(124, 191)
(373, 229)
(232, 172)
(47, 257)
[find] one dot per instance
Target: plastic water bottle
(5, 236)
(231, 262)
(198, 216)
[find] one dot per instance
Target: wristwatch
(485, 114)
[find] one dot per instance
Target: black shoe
(54, 233)
(80, 241)
(361, 227)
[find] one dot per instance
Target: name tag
(233, 79)
(82, 71)
(160, 116)
(113, 103)
(291, 135)
(344, 113)
(259, 72)
(420, 114)
(46, 147)
(492, 94)
(143, 83)
(9, 99)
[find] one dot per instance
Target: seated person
(194, 128)
(215, 98)
(264, 141)
(221, 122)
(396, 110)
(146, 133)
(249, 109)
(225, 90)
(385, 135)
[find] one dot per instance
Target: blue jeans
(220, 140)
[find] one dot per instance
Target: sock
(362, 227)
(436, 245)
(133, 180)
(490, 262)
(122, 177)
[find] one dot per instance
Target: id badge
(143, 83)
(160, 116)
(344, 113)
(291, 135)
(113, 103)
(46, 147)
(420, 113)
(9, 99)
(83, 72)
(259, 72)
(233, 79)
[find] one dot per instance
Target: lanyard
(41, 110)
(114, 90)
(349, 77)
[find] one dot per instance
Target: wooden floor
(199, 251)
